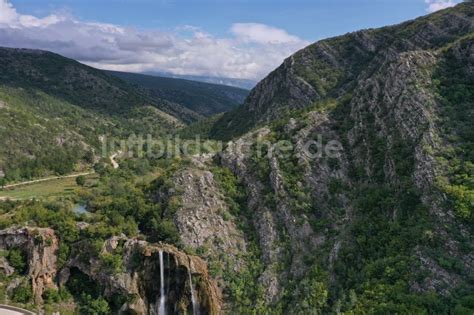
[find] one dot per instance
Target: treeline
(56, 160)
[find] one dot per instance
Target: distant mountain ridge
(77, 83)
(240, 83)
(203, 98)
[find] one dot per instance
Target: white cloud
(9, 17)
(262, 34)
(436, 5)
(250, 52)
(8, 14)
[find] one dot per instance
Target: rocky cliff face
(379, 94)
(389, 141)
(332, 67)
(40, 246)
(203, 218)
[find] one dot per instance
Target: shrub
(22, 293)
(80, 180)
(17, 259)
(112, 262)
(51, 296)
(92, 306)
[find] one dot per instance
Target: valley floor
(47, 179)
(44, 188)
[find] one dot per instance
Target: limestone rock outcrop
(139, 280)
(40, 246)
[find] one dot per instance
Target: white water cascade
(193, 298)
(168, 275)
(162, 309)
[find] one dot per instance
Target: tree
(17, 260)
(92, 306)
(51, 296)
(3, 182)
(80, 180)
(100, 169)
(89, 157)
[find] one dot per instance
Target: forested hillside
(54, 110)
(203, 98)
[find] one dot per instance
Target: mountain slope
(204, 98)
(76, 83)
(383, 222)
(331, 67)
(54, 110)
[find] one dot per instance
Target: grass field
(46, 189)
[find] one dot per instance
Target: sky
(244, 39)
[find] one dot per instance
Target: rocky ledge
(186, 278)
(150, 275)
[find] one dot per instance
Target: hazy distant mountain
(241, 83)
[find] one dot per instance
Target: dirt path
(112, 160)
(46, 179)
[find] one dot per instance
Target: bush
(167, 232)
(63, 253)
(22, 293)
(112, 262)
(92, 306)
(17, 260)
(51, 296)
(80, 180)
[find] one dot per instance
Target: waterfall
(168, 275)
(162, 309)
(193, 298)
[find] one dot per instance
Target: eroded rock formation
(40, 246)
(139, 280)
